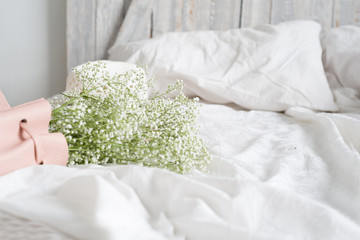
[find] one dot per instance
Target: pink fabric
(3, 103)
(25, 139)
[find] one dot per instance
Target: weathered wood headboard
(93, 25)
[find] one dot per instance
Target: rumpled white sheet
(273, 176)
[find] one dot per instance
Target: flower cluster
(111, 120)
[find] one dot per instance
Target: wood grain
(110, 15)
(255, 12)
(191, 15)
(320, 11)
(80, 32)
(317, 10)
(225, 14)
(137, 24)
(93, 25)
(346, 12)
(166, 17)
(281, 11)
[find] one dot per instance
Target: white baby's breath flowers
(112, 121)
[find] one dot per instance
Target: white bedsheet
(273, 176)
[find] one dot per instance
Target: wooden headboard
(93, 25)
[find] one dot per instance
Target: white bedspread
(273, 176)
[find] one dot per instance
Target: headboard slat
(225, 14)
(93, 25)
(137, 22)
(109, 17)
(286, 10)
(346, 12)
(255, 12)
(80, 31)
(166, 17)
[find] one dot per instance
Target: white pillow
(342, 56)
(269, 67)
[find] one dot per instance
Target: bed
(286, 150)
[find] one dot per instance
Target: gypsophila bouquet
(111, 120)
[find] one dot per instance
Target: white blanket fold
(274, 176)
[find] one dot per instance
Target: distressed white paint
(320, 11)
(225, 14)
(81, 35)
(281, 11)
(191, 15)
(255, 12)
(196, 15)
(287, 10)
(137, 22)
(109, 17)
(346, 12)
(163, 15)
(94, 24)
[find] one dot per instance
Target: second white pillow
(342, 56)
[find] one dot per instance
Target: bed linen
(267, 67)
(341, 56)
(292, 175)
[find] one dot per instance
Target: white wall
(32, 49)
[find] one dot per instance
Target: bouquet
(111, 120)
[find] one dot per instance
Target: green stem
(65, 104)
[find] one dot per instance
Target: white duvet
(273, 176)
